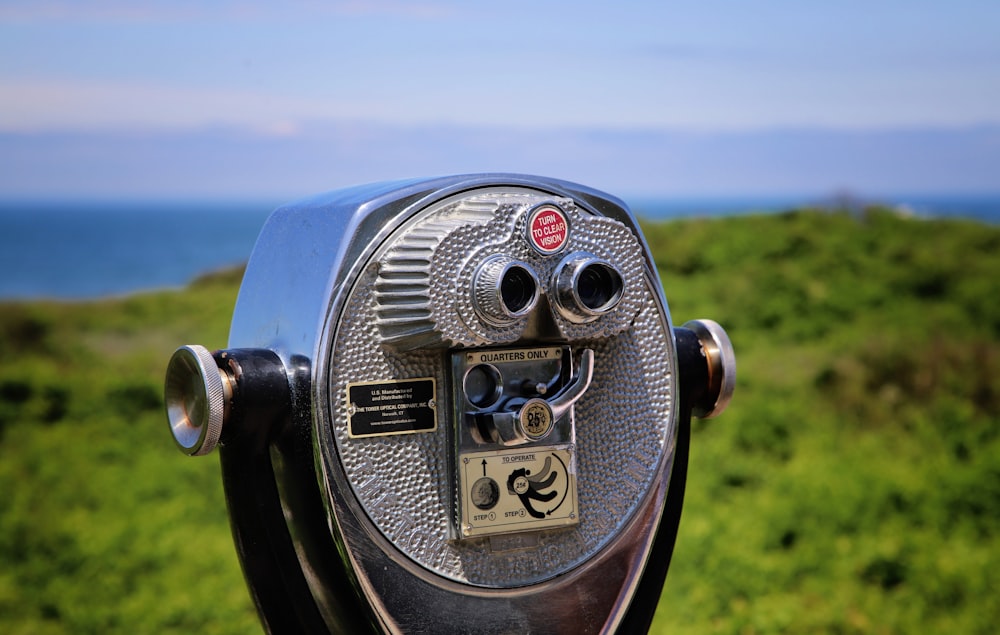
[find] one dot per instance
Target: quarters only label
(376, 408)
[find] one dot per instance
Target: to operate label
(516, 490)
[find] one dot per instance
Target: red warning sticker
(547, 229)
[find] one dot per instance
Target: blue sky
(711, 97)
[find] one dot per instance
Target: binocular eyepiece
(586, 287)
(583, 288)
(452, 405)
(504, 290)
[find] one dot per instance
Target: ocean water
(73, 252)
(76, 251)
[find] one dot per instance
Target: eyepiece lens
(586, 287)
(598, 286)
(517, 289)
(504, 290)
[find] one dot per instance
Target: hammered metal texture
(403, 289)
(424, 290)
(406, 483)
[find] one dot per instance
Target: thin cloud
(38, 105)
(420, 10)
(125, 12)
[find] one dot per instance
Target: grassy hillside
(852, 487)
(854, 484)
(104, 526)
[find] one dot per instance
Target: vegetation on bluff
(852, 487)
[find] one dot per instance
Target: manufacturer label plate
(376, 408)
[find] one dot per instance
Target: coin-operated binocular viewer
(450, 406)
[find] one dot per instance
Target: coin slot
(483, 385)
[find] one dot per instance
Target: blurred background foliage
(853, 486)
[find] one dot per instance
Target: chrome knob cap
(721, 360)
(197, 394)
